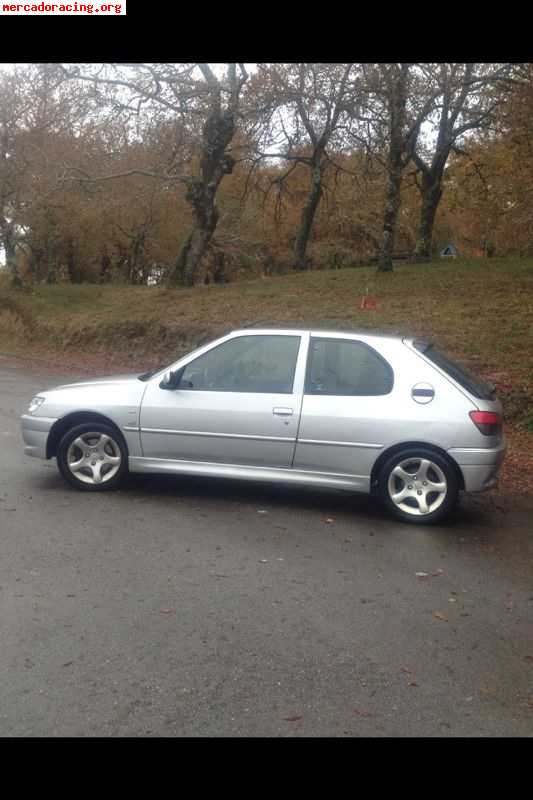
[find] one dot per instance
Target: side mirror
(171, 380)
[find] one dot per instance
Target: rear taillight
(487, 422)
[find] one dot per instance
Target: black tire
(411, 511)
(118, 444)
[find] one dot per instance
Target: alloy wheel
(94, 458)
(417, 486)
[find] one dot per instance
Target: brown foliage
(58, 225)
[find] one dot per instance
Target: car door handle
(283, 412)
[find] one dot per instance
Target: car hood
(109, 379)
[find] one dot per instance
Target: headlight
(35, 404)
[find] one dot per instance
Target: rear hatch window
(477, 387)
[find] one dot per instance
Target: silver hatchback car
(369, 413)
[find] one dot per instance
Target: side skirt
(356, 483)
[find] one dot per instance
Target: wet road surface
(187, 607)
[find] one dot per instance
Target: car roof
(369, 333)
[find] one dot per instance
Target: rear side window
(346, 367)
(476, 386)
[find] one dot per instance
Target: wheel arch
(62, 425)
(396, 448)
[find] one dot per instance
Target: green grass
(480, 311)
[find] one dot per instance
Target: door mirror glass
(171, 380)
(166, 383)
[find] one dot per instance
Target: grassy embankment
(480, 311)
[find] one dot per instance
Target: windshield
(167, 367)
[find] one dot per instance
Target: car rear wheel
(419, 486)
(92, 457)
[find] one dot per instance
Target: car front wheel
(92, 457)
(419, 486)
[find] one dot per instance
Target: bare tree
(306, 105)
(14, 107)
(205, 107)
(464, 103)
(34, 105)
(399, 99)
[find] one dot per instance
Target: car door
(346, 401)
(237, 403)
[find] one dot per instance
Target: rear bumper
(35, 432)
(480, 466)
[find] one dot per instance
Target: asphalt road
(187, 607)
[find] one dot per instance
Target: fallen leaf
(440, 615)
(67, 664)
(413, 683)
(167, 611)
(291, 719)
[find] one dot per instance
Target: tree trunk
(201, 194)
(219, 266)
(431, 193)
(205, 214)
(72, 267)
(396, 162)
(307, 218)
(389, 221)
(137, 261)
(10, 251)
(105, 268)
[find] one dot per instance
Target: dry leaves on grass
(517, 469)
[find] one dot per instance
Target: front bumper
(35, 432)
(480, 466)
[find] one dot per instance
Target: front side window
(346, 367)
(264, 364)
